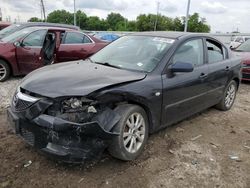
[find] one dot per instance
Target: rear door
(29, 53)
(186, 93)
(219, 68)
(74, 46)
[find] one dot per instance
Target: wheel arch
(237, 80)
(116, 99)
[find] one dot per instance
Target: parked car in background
(4, 25)
(238, 40)
(136, 85)
(34, 47)
(17, 27)
(244, 52)
(110, 37)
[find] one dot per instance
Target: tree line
(116, 22)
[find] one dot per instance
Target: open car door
(29, 53)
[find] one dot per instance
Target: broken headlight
(77, 109)
(75, 104)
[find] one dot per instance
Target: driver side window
(190, 52)
(35, 39)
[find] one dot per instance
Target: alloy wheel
(134, 132)
(230, 95)
(3, 71)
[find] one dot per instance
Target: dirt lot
(172, 157)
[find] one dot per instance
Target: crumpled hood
(77, 78)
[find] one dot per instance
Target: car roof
(46, 24)
(169, 34)
(34, 28)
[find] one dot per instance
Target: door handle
(83, 50)
(227, 68)
(203, 75)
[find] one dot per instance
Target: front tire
(4, 71)
(133, 133)
(228, 97)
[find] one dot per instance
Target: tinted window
(190, 52)
(215, 51)
(35, 39)
(76, 38)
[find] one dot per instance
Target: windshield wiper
(108, 64)
(90, 60)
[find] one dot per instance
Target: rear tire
(228, 97)
(4, 71)
(133, 133)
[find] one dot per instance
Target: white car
(238, 40)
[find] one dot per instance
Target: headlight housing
(78, 104)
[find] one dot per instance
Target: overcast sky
(221, 15)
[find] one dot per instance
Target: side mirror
(181, 67)
(17, 44)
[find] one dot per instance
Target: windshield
(9, 30)
(141, 53)
(17, 35)
(245, 47)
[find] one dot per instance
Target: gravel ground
(7, 90)
(211, 149)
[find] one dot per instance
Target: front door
(29, 53)
(185, 93)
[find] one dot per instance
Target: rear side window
(76, 38)
(216, 52)
(35, 39)
(190, 52)
(86, 39)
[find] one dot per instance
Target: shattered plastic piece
(80, 180)
(211, 159)
(195, 138)
(194, 162)
(27, 164)
(171, 151)
(91, 109)
(234, 157)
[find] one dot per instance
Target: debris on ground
(171, 151)
(214, 145)
(248, 147)
(235, 158)
(195, 138)
(27, 164)
(178, 129)
(233, 132)
(80, 180)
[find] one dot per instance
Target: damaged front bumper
(65, 140)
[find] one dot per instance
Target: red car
(4, 25)
(244, 51)
(34, 47)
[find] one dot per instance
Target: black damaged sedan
(135, 86)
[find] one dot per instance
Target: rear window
(18, 35)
